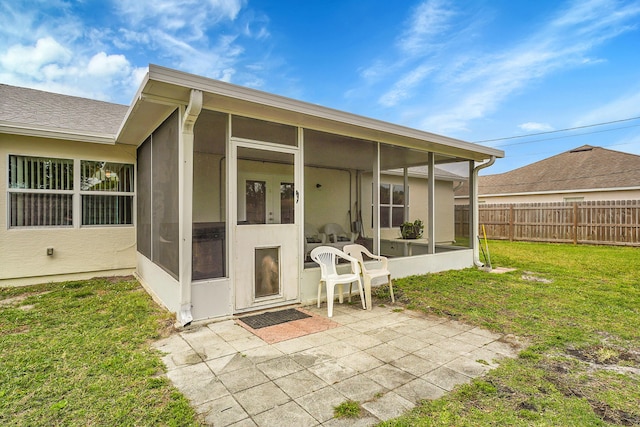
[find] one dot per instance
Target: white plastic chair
(368, 274)
(337, 237)
(326, 257)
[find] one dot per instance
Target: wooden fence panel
(615, 222)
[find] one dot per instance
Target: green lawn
(79, 353)
(578, 307)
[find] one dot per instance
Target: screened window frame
(108, 193)
(11, 190)
(75, 192)
(390, 205)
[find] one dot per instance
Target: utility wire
(559, 130)
(565, 136)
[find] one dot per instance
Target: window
(40, 192)
(43, 191)
(107, 193)
(391, 205)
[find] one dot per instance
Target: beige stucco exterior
(79, 252)
(559, 196)
(331, 202)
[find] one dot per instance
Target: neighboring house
(203, 189)
(585, 173)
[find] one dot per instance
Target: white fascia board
(204, 84)
(134, 103)
(55, 133)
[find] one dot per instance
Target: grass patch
(78, 353)
(347, 409)
(578, 307)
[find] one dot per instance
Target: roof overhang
(55, 133)
(164, 89)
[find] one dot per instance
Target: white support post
(432, 205)
(299, 200)
(473, 223)
(406, 195)
(376, 201)
(185, 173)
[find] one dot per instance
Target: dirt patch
(10, 302)
(573, 375)
(115, 279)
(614, 416)
(608, 356)
(533, 278)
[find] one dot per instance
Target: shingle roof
(582, 168)
(32, 107)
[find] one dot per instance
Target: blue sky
(476, 70)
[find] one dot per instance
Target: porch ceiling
(163, 89)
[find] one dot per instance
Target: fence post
(575, 223)
(511, 223)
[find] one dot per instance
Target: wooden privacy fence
(615, 222)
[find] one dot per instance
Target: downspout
(191, 113)
(473, 199)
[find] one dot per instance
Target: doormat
(272, 318)
(309, 323)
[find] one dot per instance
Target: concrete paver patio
(387, 359)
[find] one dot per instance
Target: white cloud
(466, 82)
(535, 127)
(623, 107)
(102, 64)
(488, 80)
(402, 89)
(52, 48)
(49, 65)
(30, 60)
(189, 18)
(430, 19)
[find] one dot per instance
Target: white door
(266, 249)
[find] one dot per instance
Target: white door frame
(284, 236)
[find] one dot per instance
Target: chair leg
(393, 298)
(350, 290)
(367, 292)
(340, 293)
(319, 292)
(330, 299)
(364, 305)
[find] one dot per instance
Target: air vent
(581, 149)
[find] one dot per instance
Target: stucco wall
(559, 197)
(329, 203)
(81, 251)
(589, 196)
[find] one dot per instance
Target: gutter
(25, 129)
(474, 207)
